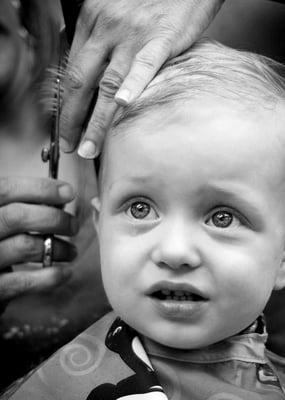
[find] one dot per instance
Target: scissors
(52, 155)
(70, 9)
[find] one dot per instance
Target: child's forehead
(211, 128)
(206, 113)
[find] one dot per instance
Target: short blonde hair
(210, 68)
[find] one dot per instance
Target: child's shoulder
(71, 369)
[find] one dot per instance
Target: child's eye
(223, 219)
(141, 210)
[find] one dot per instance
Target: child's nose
(177, 247)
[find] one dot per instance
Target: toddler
(191, 223)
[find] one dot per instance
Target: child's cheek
(245, 274)
(120, 250)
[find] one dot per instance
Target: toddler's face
(191, 222)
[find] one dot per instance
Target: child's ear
(280, 278)
(96, 206)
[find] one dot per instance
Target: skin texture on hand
(29, 205)
(119, 45)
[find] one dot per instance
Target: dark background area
(255, 25)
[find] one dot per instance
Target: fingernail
(87, 149)
(123, 97)
(66, 192)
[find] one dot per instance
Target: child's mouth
(178, 301)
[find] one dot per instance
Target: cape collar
(248, 345)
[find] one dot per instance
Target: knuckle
(55, 217)
(7, 187)
(45, 187)
(13, 216)
(110, 82)
(97, 125)
(9, 288)
(74, 78)
(145, 59)
(108, 22)
(86, 17)
(26, 284)
(26, 245)
(117, 17)
(165, 42)
(14, 285)
(139, 26)
(111, 17)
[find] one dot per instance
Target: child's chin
(179, 342)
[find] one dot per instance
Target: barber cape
(109, 361)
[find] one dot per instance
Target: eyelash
(233, 213)
(143, 201)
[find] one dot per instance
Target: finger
(19, 283)
(84, 26)
(145, 65)
(34, 190)
(25, 248)
(20, 218)
(105, 106)
(79, 87)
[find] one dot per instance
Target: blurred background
(33, 327)
(255, 25)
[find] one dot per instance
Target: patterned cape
(108, 361)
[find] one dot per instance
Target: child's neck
(257, 326)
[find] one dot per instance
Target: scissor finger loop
(48, 252)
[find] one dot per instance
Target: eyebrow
(237, 195)
(138, 180)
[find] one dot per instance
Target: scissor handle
(51, 155)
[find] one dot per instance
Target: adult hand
(126, 41)
(29, 205)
